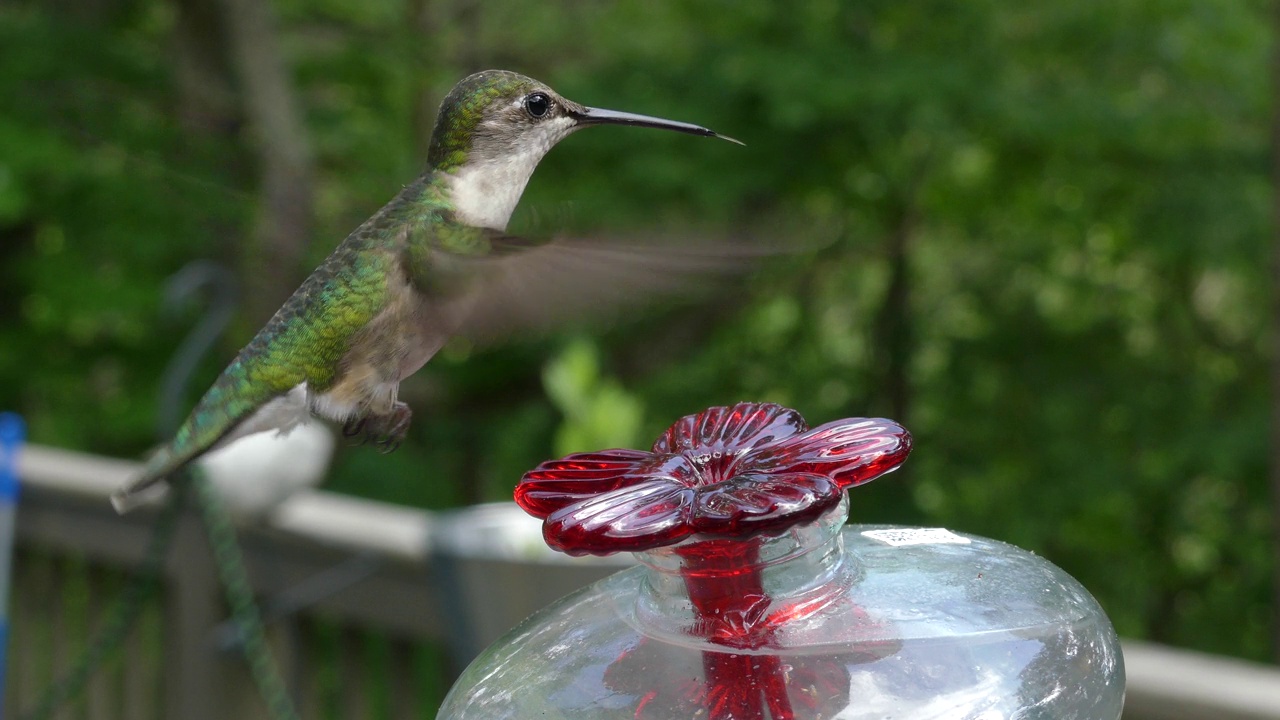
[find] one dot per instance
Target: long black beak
(596, 116)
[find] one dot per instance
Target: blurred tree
(273, 254)
(1274, 459)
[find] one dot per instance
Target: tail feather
(160, 465)
(218, 414)
(198, 435)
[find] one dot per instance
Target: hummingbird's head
(493, 129)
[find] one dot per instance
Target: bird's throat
(485, 193)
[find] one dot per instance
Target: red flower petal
(760, 503)
(557, 483)
(740, 470)
(851, 451)
(730, 430)
(641, 517)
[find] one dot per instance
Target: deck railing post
(192, 607)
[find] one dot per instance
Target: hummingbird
(436, 262)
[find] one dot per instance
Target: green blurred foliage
(1078, 192)
(597, 411)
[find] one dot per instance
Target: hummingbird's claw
(353, 427)
(386, 432)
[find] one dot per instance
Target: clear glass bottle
(752, 619)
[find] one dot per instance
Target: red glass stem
(724, 583)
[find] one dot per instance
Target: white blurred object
(257, 473)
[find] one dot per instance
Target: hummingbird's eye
(537, 104)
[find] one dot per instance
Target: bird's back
(304, 342)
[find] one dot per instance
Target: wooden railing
(371, 613)
(369, 619)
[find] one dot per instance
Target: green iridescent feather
(305, 340)
(453, 133)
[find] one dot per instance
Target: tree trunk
(206, 100)
(893, 332)
(274, 251)
(892, 338)
(418, 16)
(469, 53)
(1275, 338)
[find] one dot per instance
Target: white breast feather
(485, 191)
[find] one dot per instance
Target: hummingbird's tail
(221, 414)
(162, 463)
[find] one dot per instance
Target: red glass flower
(729, 477)
(749, 469)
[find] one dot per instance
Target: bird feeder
(754, 600)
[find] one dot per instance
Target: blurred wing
(522, 286)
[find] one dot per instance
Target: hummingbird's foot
(386, 432)
(353, 428)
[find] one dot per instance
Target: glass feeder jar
(754, 600)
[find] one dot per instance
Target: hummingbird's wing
(519, 285)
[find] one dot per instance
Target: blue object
(12, 434)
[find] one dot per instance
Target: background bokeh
(1047, 228)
